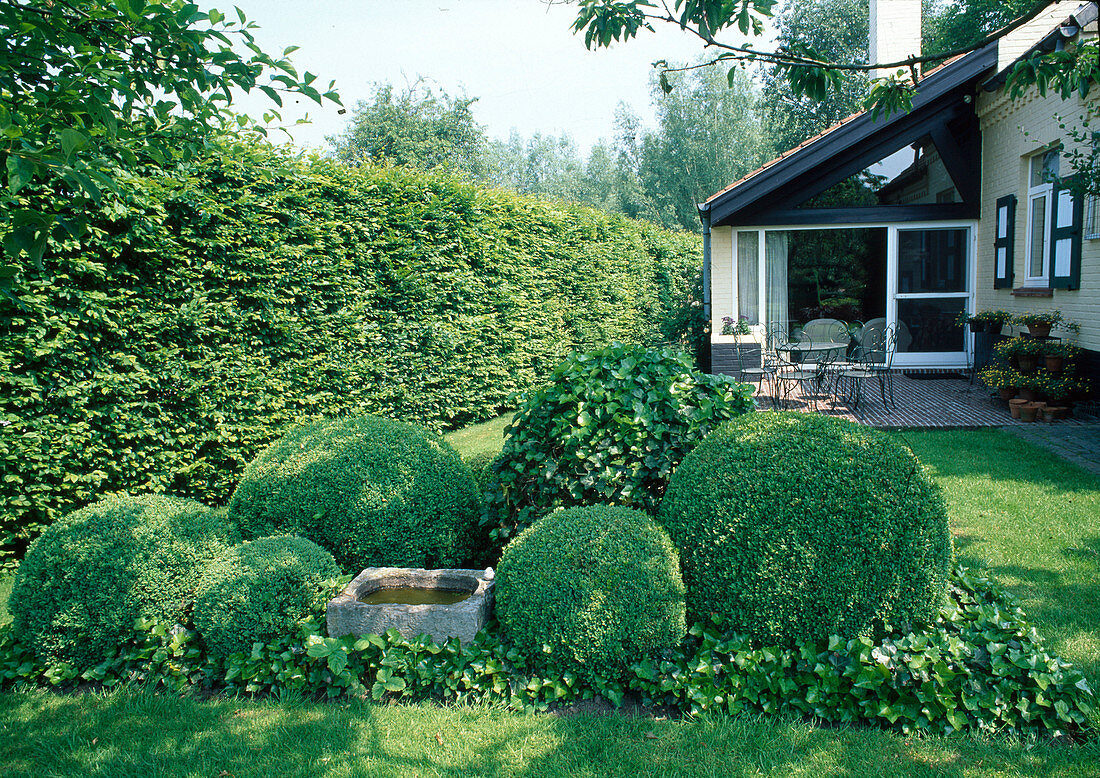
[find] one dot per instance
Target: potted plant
(1029, 412)
(989, 322)
(1056, 354)
(1021, 353)
(1004, 380)
(739, 327)
(1040, 323)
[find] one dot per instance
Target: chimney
(895, 32)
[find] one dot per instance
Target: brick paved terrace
(921, 403)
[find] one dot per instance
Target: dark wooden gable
(943, 110)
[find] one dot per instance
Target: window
(1040, 202)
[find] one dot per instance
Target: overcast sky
(518, 57)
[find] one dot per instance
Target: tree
(603, 22)
(539, 165)
(837, 29)
(418, 127)
(708, 134)
(89, 87)
(955, 24)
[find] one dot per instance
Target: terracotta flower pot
(1054, 412)
(1054, 362)
(1007, 392)
(1014, 406)
(1027, 362)
(1028, 412)
(1038, 330)
(1029, 395)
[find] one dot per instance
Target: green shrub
(609, 427)
(799, 526)
(89, 576)
(373, 491)
(981, 668)
(210, 306)
(261, 590)
(590, 590)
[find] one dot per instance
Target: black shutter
(1067, 217)
(1004, 244)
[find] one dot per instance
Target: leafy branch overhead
(808, 72)
(90, 87)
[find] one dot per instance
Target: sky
(518, 57)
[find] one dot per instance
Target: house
(957, 211)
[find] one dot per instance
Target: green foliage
(260, 591)
(587, 591)
(608, 428)
(87, 89)
(216, 302)
(373, 491)
(415, 127)
(797, 526)
(87, 578)
(836, 30)
(979, 668)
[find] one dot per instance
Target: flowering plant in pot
(1020, 352)
(1004, 380)
(1058, 355)
(1040, 323)
(990, 322)
(739, 327)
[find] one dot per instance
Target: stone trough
(348, 615)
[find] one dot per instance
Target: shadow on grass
(130, 733)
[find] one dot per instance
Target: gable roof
(943, 96)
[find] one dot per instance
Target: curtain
(775, 278)
(748, 285)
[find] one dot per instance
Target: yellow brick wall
(721, 278)
(1012, 130)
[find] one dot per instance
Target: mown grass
(483, 440)
(1030, 518)
(1033, 520)
(130, 733)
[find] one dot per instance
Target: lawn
(1031, 519)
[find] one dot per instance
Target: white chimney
(895, 33)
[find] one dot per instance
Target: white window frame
(1043, 189)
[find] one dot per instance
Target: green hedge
(260, 591)
(211, 305)
(590, 590)
(797, 526)
(89, 576)
(375, 492)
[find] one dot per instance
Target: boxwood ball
(799, 526)
(370, 490)
(589, 590)
(261, 590)
(90, 575)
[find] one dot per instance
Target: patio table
(796, 351)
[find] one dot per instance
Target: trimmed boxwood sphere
(373, 491)
(795, 525)
(590, 590)
(90, 575)
(261, 590)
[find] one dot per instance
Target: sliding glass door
(931, 286)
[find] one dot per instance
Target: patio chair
(875, 357)
(749, 348)
(792, 372)
(826, 330)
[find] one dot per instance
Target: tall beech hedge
(213, 303)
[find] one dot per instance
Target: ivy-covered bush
(981, 668)
(800, 526)
(261, 590)
(608, 427)
(590, 590)
(373, 491)
(89, 576)
(213, 304)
